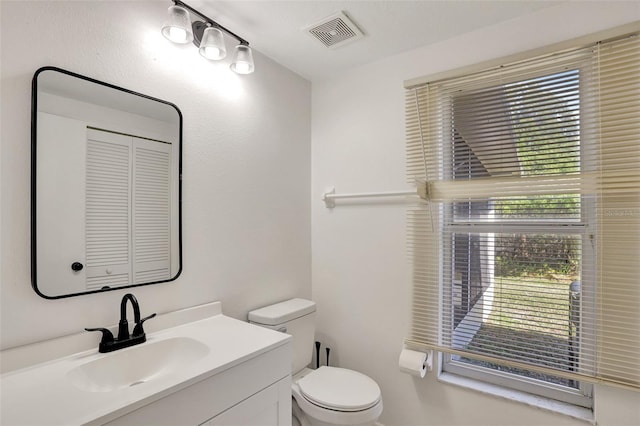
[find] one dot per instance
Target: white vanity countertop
(43, 394)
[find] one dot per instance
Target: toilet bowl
(336, 396)
(327, 396)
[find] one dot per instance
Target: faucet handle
(138, 330)
(107, 337)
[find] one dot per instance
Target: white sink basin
(137, 365)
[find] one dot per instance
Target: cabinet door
(269, 407)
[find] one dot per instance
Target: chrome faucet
(124, 340)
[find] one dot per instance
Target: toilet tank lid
(282, 312)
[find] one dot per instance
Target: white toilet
(327, 396)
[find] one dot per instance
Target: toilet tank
(295, 317)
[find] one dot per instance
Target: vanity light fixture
(212, 44)
(207, 35)
(243, 60)
(178, 27)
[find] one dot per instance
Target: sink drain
(136, 383)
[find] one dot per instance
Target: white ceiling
(275, 28)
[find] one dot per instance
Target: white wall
(361, 274)
(246, 172)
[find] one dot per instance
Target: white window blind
(527, 257)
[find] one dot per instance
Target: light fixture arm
(212, 22)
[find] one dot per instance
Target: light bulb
(242, 68)
(210, 52)
(177, 35)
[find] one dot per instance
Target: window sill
(554, 406)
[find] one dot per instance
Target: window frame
(584, 227)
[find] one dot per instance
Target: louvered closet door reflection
(108, 195)
(151, 211)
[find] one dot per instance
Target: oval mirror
(105, 186)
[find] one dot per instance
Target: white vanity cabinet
(269, 407)
(215, 371)
(256, 392)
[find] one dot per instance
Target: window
(511, 262)
(532, 172)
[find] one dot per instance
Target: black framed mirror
(106, 187)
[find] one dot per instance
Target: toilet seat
(313, 411)
(333, 415)
(339, 389)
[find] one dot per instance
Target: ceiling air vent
(335, 30)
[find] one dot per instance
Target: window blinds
(531, 238)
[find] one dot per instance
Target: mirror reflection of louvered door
(151, 212)
(108, 206)
(127, 210)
